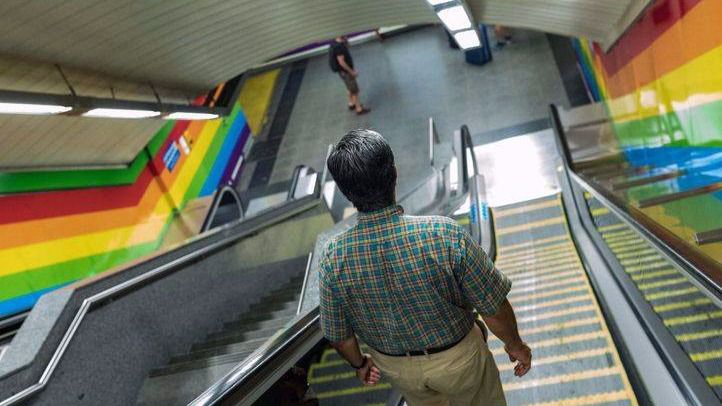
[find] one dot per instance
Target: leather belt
(427, 351)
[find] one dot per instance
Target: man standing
(341, 61)
(407, 286)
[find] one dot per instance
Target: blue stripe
(219, 166)
(25, 302)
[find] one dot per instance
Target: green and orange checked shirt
(405, 283)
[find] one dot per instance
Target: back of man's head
(362, 164)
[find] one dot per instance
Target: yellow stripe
(639, 253)
(571, 263)
(535, 243)
(560, 379)
(669, 282)
(353, 391)
(542, 286)
(611, 227)
(681, 305)
(326, 364)
(596, 399)
(562, 358)
(651, 275)
(622, 235)
(564, 247)
(553, 327)
(516, 275)
(538, 259)
(626, 249)
(502, 212)
(559, 313)
(558, 341)
(670, 293)
(551, 303)
(600, 212)
(635, 242)
(541, 295)
(714, 380)
(675, 321)
(706, 356)
(526, 227)
(618, 233)
(535, 279)
(699, 335)
(332, 377)
(639, 260)
(644, 267)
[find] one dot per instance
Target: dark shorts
(349, 81)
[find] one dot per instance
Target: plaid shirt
(404, 283)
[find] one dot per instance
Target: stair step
(278, 303)
(258, 317)
(238, 347)
(231, 339)
(233, 358)
(237, 328)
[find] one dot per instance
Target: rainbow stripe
(662, 86)
(58, 227)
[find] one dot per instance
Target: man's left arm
(366, 370)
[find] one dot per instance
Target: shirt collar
(380, 216)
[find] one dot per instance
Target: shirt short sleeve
(483, 285)
(334, 322)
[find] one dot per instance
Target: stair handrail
(244, 228)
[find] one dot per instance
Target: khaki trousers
(464, 375)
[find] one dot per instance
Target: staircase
(187, 375)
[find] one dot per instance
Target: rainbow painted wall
(59, 227)
(662, 85)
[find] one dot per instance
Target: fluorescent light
(27, 108)
(467, 39)
(181, 115)
(437, 2)
(455, 18)
(121, 113)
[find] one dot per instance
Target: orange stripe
(700, 33)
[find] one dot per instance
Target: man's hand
(369, 374)
(521, 354)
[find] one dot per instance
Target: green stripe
(59, 180)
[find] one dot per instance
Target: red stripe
(34, 206)
(658, 19)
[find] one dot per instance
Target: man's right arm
(503, 325)
(342, 63)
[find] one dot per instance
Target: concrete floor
(407, 79)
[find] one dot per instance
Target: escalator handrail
(208, 221)
(245, 228)
(659, 244)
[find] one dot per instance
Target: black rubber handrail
(217, 198)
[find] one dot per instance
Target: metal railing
(245, 228)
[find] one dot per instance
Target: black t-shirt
(336, 49)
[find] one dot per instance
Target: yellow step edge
(535, 248)
(681, 305)
(517, 276)
(588, 400)
(551, 303)
(612, 227)
(546, 278)
(542, 259)
(572, 263)
(600, 212)
(353, 391)
(639, 260)
(541, 295)
(559, 313)
(706, 355)
(502, 231)
(671, 293)
(504, 249)
(502, 212)
(595, 352)
(632, 254)
(644, 267)
(699, 335)
(554, 327)
(561, 379)
(333, 377)
(566, 246)
(629, 249)
(656, 274)
(552, 342)
(659, 284)
(676, 321)
(715, 380)
(535, 288)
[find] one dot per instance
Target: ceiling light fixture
(29, 108)
(438, 2)
(467, 39)
(121, 113)
(455, 18)
(182, 115)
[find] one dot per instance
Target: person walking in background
(503, 36)
(341, 62)
(408, 286)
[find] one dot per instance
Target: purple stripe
(235, 156)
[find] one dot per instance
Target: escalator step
(235, 328)
(226, 359)
(239, 347)
(236, 338)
